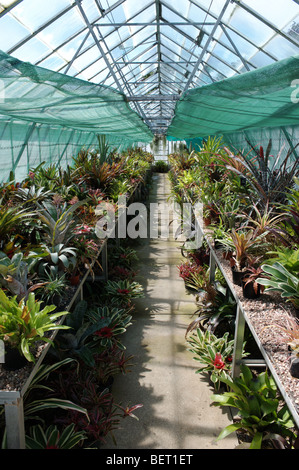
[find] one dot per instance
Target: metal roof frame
(154, 78)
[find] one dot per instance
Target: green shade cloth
(35, 94)
(266, 97)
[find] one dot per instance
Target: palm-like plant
(243, 242)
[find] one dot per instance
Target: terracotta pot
(13, 359)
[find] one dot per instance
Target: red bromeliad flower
(123, 291)
(105, 332)
(218, 362)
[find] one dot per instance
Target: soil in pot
(249, 291)
(13, 359)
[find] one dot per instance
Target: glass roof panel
(275, 14)
(54, 35)
(54, 62)
(281, 48)
(32, 16)
(251, 27)
(8, 24)
(35, 48)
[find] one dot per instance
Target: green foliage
(40, 383)
(52, 438)
(59, 258)
(215, 354)
(281, 280)
(123, 292)
(12, 217)
(78, 342)
(53, 288)
(258, 404)
(116, 323)
(24, 323)
(289, 258)
(269, 176)
(58, 222)
(161, 166)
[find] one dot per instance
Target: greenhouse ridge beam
(102, 52)
(153, 98)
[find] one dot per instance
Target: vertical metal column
(239, 340)
(14, 419)
(105, 260)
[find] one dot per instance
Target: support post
(14, 419)
(212, 267)
(105, 260)
(239, 340)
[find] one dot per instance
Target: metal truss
(157, 52)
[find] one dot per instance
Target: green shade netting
(266, 97)
(35, 94)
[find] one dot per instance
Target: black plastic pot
(237, 276)
(249, 291)
(13, 359)
(294, 367)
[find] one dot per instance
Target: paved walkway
(177, 411)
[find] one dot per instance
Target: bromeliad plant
(53, 438)
(281, 280)
(269, 176)
(123, 292)
(116, 323)
(215, 307)
(214, 354)
(245, 244)
(257, 400)
(22, 323)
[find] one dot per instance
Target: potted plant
(244, 243)
(251, 288)
(24, 323)
(290, 335)
(267, 423)
(214, 354)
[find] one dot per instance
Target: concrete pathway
(177, 411)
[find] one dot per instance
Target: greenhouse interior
(149, 226)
